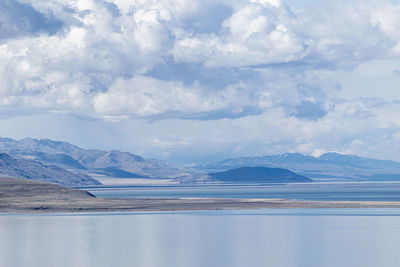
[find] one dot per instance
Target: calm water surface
(314, 191)
(313, 237)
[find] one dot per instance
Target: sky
(194, 81)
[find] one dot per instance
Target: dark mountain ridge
(259, 174)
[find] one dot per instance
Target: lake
(304, 238)
(309, 191)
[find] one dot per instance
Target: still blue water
(336, 191)
(281, 238)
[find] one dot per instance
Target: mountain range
(70, 165)
(329, 166)
(34, 170)
(67, 164)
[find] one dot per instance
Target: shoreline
(159, 205)
(18, 196)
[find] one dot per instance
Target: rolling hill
(259, 175)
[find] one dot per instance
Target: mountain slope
(115, 172)
(125, 161)
(259, 174)
(60, 159)
(107, 163)
(33, 170)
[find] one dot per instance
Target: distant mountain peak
(60, 146)
(30, 145)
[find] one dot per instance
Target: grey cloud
(112, 8)
(309, 110)
(216, 78)
(207, 116)
(209, 18)
(19, 19)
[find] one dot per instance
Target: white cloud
(253, 35)
(262, 76)
(105, 46)
(145, 96)
(275, 3)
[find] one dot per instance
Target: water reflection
(200, 239)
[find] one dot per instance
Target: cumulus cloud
(254, 34)
(146, 97)
(117, 59)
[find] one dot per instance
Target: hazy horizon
(188, 164)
